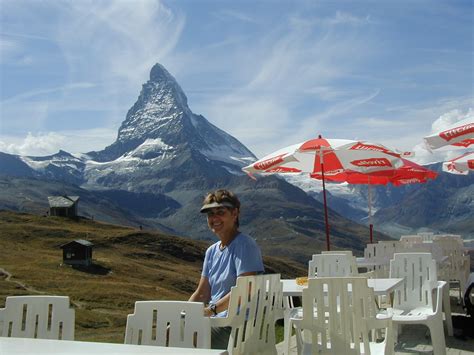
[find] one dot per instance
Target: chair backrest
(328, 265)
(456, 237)
(352, 259)
(256, 303)
(169, 323)
(426, 236)
(409, 240)
(381, 252)
(44, 317)
(347, 252)
(457, 267)
(340, 312)
(419, 272)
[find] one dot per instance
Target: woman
(234, 255)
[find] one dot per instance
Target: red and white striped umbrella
(339, 156)
(461, 165)
(340, 160)
(459, 134)
(408, 173)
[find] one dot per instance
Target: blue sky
(271, 73)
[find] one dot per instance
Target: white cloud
(34, 144)
(8, 48)
(41, 92)
(424, 156)
(233, 14)
(292, 64)
(133, 37)
(102, 54)
(345, 18)
(450, 118)
(77, 141)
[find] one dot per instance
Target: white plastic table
(25, 346)
(362, 262)
(380, 286)
(291, 288)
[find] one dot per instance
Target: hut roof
(78, 241)
(62, 201)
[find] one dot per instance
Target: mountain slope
(129, 265)
(445, 205)
(163, 162)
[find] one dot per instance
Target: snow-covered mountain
(163, 162)
(443, 205)
(158, 132)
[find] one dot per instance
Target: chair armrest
(385, 314)
(368, 274)
(383, 319)
(439, 295)
(293, 312)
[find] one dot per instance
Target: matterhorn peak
(158, 74)
(161, 100)
(161, 77)
(160, 126)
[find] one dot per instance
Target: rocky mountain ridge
(166, 154)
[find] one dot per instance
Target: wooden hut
(77, 252)
(63, 206)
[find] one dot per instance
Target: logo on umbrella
(373, 162)
(407, 181)
(465, 143)
(457, 132)
(283, 169)
(264, 165)
(362, 146)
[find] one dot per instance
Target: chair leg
(395, 332)
(437, 337)
(461, 287)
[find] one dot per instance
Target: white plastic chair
(413, 304)
(327, 265)
(169, 323)
(352, 259)
(457, 267)
(255, 305)
(44, 317)
(381, 253)
(409, 240)
(340, 313)
(426, 236)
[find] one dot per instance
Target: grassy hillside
(129, 265)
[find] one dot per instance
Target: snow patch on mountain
(149, 149)
(150, 152)
(35, 165)
(228, 154)
(61, 159)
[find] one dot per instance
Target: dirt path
(9, 275)
(18, 283)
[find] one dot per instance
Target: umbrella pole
(326, 220)
(371, 226)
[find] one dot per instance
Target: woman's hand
(208, 312)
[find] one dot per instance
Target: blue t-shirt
(222, 267)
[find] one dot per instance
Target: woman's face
(221, 220)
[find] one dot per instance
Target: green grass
(143, 265)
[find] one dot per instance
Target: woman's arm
(203, 291)
(223, 303)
